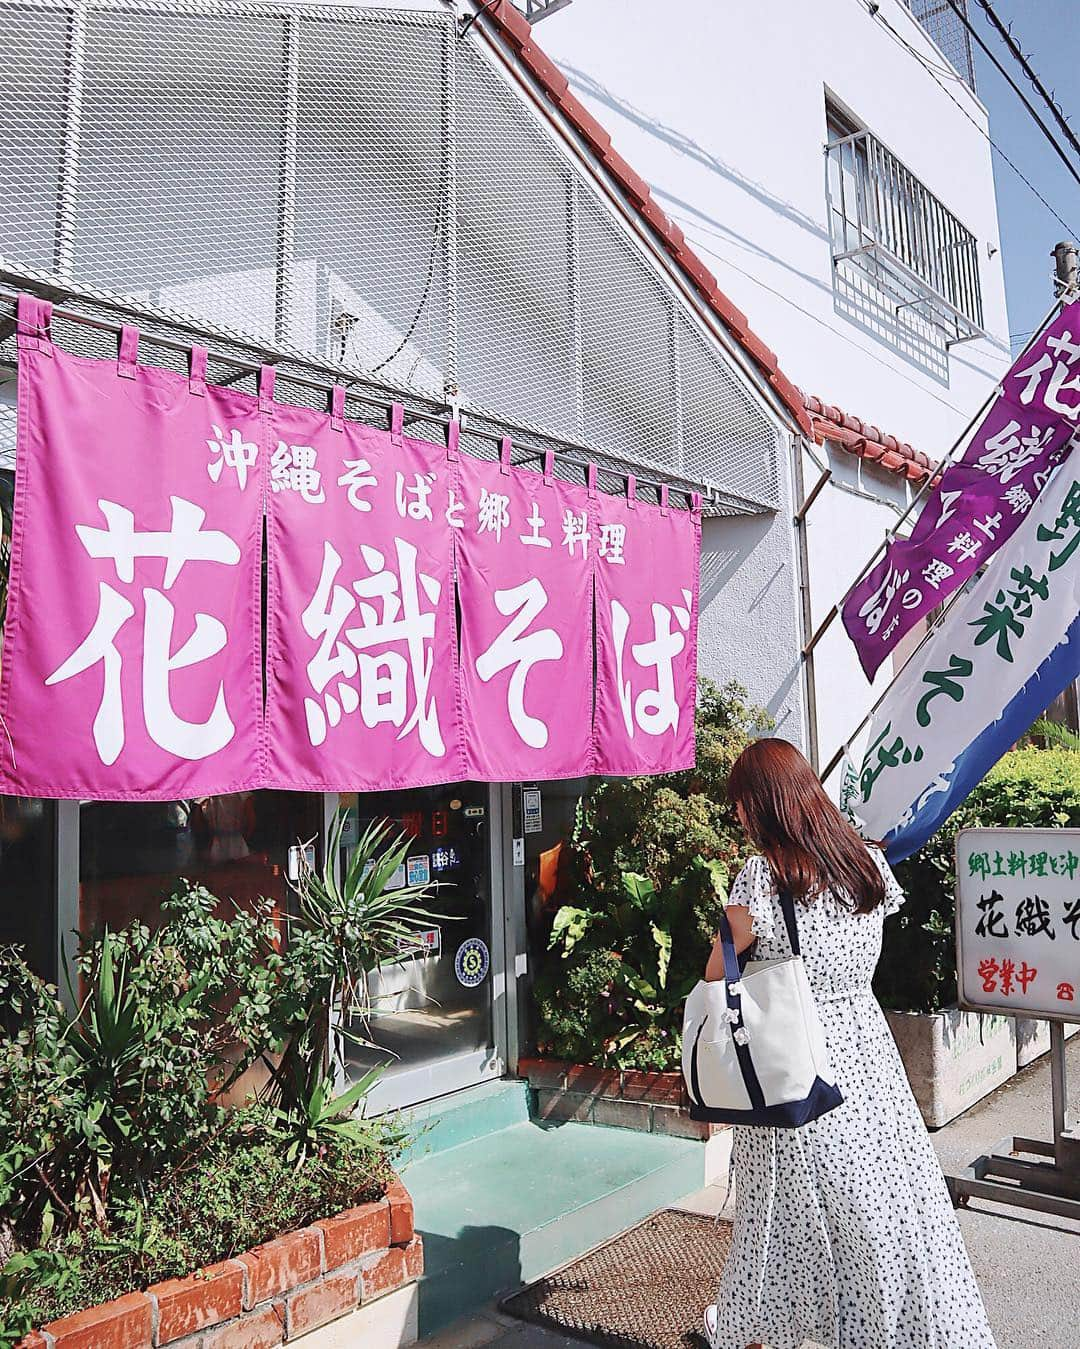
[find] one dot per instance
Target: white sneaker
(710, 1318)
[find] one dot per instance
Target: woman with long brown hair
(844, 1232)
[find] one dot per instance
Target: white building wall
(721, 108)
(749, 622)
(843, 527)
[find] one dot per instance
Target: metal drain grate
(646, 1287)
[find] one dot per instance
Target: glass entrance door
(433, 1024)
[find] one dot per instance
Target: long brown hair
(808, 844)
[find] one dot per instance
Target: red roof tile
(544, 69)
(866, 441)
(512, 25)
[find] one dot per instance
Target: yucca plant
(347, 926)
(107, 1040)
(132, 1045)
(319, 1117)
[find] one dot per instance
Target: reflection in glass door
(132, 854)
(432, 1025)
(27, 881)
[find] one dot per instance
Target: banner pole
(893, 530)
(931, 629)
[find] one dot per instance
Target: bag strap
(787, 907)
(732, 974)
(731, 959)
(733, 964)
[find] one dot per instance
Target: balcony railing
(886, 224)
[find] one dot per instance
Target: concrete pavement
(1027, 1264)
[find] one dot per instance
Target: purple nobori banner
(979, 501)
(1006, 649)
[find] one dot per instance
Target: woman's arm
(741, 929)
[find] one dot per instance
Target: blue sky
(1049, 32)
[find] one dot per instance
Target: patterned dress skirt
(845, 1234)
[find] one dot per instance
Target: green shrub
(652, 858)
(28, 1279)
(95, 1105)
(118, 1163)
(99, 1103)
(1027, 787)
(240, 1191)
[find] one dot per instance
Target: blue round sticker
(472, 962)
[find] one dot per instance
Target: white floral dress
(844, 1232)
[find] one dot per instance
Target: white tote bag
(753, 1051)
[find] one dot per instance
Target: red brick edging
(265, 1297)
(628, 1099)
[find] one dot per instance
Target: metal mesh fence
(946, 27)
(363, 187)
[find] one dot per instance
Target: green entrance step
(508, 1205)
(471, 1113)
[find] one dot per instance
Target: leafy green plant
(96, 1107)
(29, 1281)
(652, 860)
(1027, 787)
(127, 1047)
(119, 1165)
(347, 926)
(240, 1190)
(111, 1095)
(1054, 735)
(37, 1092)
(320, 1117)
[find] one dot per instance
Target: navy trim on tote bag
(791, 1115)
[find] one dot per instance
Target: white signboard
(1018, 921)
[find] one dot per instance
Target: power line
(929, 67)
(958, 10)
(1005, 30)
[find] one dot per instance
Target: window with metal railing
(891, 235)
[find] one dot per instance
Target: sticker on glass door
(418, 869)
(472, 962)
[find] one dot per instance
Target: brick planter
(648, 1102)
(284, 1290)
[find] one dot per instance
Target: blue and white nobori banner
(1005, 651)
